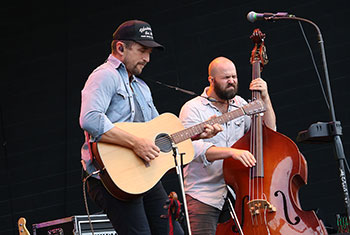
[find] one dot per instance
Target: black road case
(75, 225)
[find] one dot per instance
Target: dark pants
(140, 216)
(203, 218)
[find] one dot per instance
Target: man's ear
(120, 47)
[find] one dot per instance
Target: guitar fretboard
(199, 128)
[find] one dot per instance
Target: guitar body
(126, 175)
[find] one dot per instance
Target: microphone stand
(339, 150)
(176, 154)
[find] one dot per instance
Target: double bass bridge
(255, 206)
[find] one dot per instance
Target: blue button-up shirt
(107, 98)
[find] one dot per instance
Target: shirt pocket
(121, 100)
(122, 94)
(238, 125)
(120, 105)
(151, 111)
(238, 122)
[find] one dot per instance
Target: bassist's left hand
(259, 85)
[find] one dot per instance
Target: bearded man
(204, 181)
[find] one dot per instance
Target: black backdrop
(49, 49)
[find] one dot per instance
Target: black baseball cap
(138, 31)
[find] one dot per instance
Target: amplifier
(76, 225)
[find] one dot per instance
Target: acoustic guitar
(126, 176)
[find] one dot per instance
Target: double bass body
(285, 171)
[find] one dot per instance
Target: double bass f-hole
(285, 208)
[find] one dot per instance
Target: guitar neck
(199, 128)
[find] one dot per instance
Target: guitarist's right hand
(145, 149)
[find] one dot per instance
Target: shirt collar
(204, 94)
(114, 61)
(117, 64)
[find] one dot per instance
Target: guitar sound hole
(164, 142)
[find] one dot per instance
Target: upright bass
(267, 200)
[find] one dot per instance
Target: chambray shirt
(107, 98)
(204, 180)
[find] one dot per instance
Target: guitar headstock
(259, 50)
(257, 106)
(22, 229)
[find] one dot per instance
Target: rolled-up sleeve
(96, 97)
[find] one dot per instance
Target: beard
(224, 93)
(135, 68)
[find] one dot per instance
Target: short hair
(128, 44)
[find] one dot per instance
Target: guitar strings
(199, 127)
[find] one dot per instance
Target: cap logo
(146, 32)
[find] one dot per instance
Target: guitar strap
(92, 157)
(87, 140)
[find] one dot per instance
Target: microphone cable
(194, 94)
(314, 63)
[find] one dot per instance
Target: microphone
(253, 16)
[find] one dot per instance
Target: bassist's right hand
(145, 149)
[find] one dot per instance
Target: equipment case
(76, 225)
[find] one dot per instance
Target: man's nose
(232, 80)
(146, 57)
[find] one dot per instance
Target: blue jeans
(203, 218)
(140, 216)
